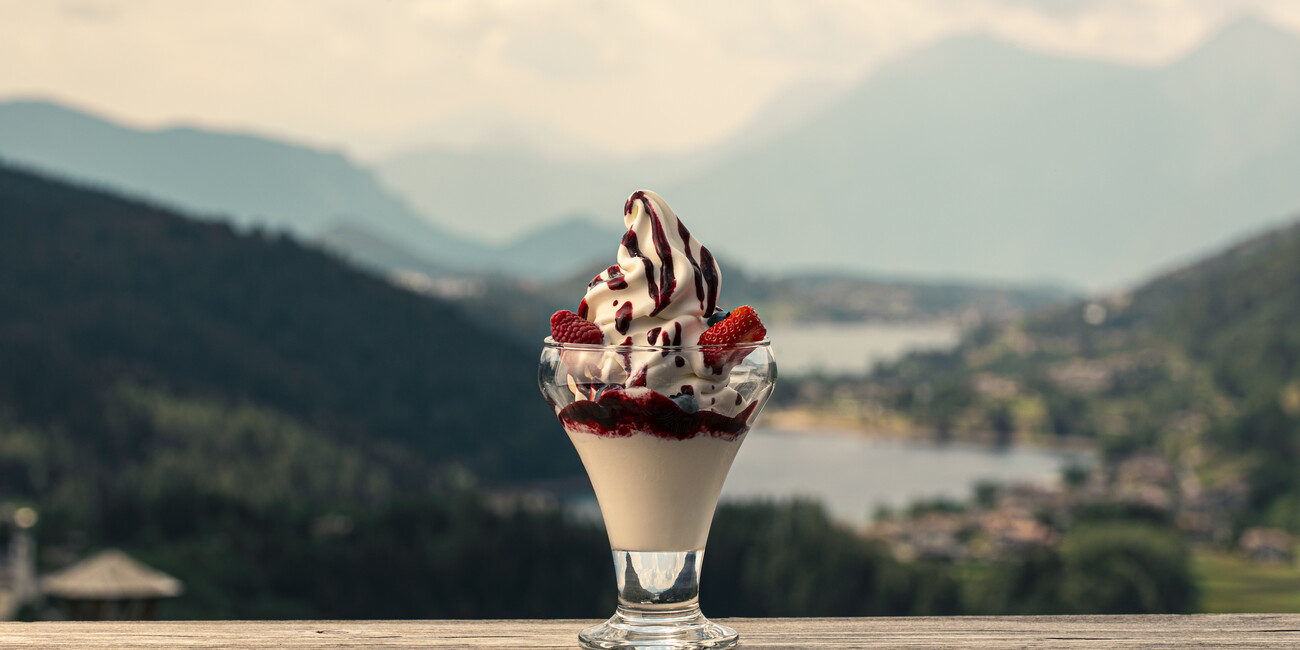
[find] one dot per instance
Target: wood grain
(1198, 631)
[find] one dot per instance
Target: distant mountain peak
(1247, 38)
(45, 109)
(40, 110)
(247, 177)
(980, 43)
(1250, 26)
(23, 103)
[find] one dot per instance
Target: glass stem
(658, 606)
(658, 581)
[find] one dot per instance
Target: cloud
(575, 50)
(88, 11)
(630, 76)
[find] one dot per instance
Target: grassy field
(1232, 583)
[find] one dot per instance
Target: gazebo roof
(110, 575)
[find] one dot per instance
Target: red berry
(742, 326)
(568, 327)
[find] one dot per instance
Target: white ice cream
(656, 494)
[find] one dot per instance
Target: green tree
(1125, 568)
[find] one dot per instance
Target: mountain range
(528, 278)
(980, 159)
(972, 158)
(246, 179)
(255, 181)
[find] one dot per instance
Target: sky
(599, 77)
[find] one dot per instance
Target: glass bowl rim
(550, 343)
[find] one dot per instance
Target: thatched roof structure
(110, 575)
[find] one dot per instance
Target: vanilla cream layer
(656, 494)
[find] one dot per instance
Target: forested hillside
(125, 326)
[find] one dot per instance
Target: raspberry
(568, 327)
(741, 326)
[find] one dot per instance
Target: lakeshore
(802, 421)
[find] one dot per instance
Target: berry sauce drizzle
(661, 292)
(710, 269)
(623, 319)
(616, 280)
(667, 274)
(626, 356)
(695, 266)
(616, 414)
(634, 249)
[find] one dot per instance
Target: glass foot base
(652, 630)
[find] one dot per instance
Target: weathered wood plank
(1199, 631)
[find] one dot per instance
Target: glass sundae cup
(657, 462)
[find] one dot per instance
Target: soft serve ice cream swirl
(663, 276)
(660, 293)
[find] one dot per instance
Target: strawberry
(741, 326)
(568, 327)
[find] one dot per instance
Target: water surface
(853, 474)
(853, 348)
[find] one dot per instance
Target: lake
(853, 348)
(853, 474)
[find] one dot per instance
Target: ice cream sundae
(656, 387)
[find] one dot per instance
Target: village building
(1269, 545)
(1011, 532)
(110, 585)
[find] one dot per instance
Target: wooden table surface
(1197, 631)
